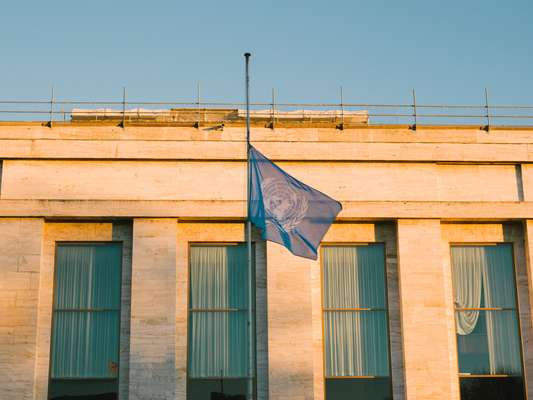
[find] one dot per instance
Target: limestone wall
(218, 180)
(290, 347)
(158, 189)
(20, 257)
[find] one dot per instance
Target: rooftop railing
(199, 113)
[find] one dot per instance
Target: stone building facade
(158, 188)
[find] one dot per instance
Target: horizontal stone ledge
(288, 151)
(236, 210)
(363, 133)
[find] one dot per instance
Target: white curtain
(85, 339)
(218, 333)
(502, 332)
(85, 344)
(483, 278)
(356, 342)
(468, 264)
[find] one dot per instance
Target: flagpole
(251, 369)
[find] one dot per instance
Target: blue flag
(288, 211)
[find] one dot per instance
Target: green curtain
(356, 342)
(483, 278)
(218, 333)
(85, 332)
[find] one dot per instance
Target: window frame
(324, 310)
(61, 243)
(253, 307)
(516, 309)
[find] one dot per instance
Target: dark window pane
(218, 320)
(358, 389)
(85, 344)
(219, 277)
(87, 389)
(217, 344)
(473, 348)
(354, 276)
(85, 341)
(511, 388)
(87, 276)
(356, 343)
(493, 345)
(216, 389)
(483, 276)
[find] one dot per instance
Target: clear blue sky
(378, 50)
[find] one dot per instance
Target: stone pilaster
(153, 310)
(426, 312)
(290, 328)
(20, 256)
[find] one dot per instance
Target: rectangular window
(218, 322)
(356, 337)
(486, 321)
(86, 322)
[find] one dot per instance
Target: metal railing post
(413, 127)
(273, 113)
(198, 105)
(52, 100)
(123, 122)
(487, 127)
(341, 125)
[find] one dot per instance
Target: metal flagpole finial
(247, 83)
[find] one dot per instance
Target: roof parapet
(202, 116)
